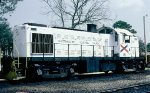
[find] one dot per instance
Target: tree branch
(80, 11)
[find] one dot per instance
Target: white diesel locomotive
(60, 52)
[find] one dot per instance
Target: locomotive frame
(46, 52)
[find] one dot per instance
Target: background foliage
(6, 40)
(124, 25)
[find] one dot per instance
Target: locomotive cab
(128, 44)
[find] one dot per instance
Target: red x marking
(124, 48)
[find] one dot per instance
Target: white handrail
(17, 53)
(0, 60)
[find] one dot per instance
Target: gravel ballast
(96, 84)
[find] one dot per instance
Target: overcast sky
(131, 11)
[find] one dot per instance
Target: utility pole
(145, 38)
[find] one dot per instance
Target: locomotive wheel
(140, 67)
(70, 73)
(32, 75)
(119, 69)
(106, 72)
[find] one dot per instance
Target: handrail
(17, 53)
(112, 48)
(0, 60)
(26, 61)
(68, 48)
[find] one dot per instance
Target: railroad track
(139, 88)
(110, 83)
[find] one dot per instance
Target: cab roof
(123, 31)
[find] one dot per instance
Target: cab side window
(127, 39)
(116, 37)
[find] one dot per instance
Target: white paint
(63, 37)
(120, 31)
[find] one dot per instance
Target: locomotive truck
(61, 52)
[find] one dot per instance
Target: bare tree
(78, 12)
(56, 7)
